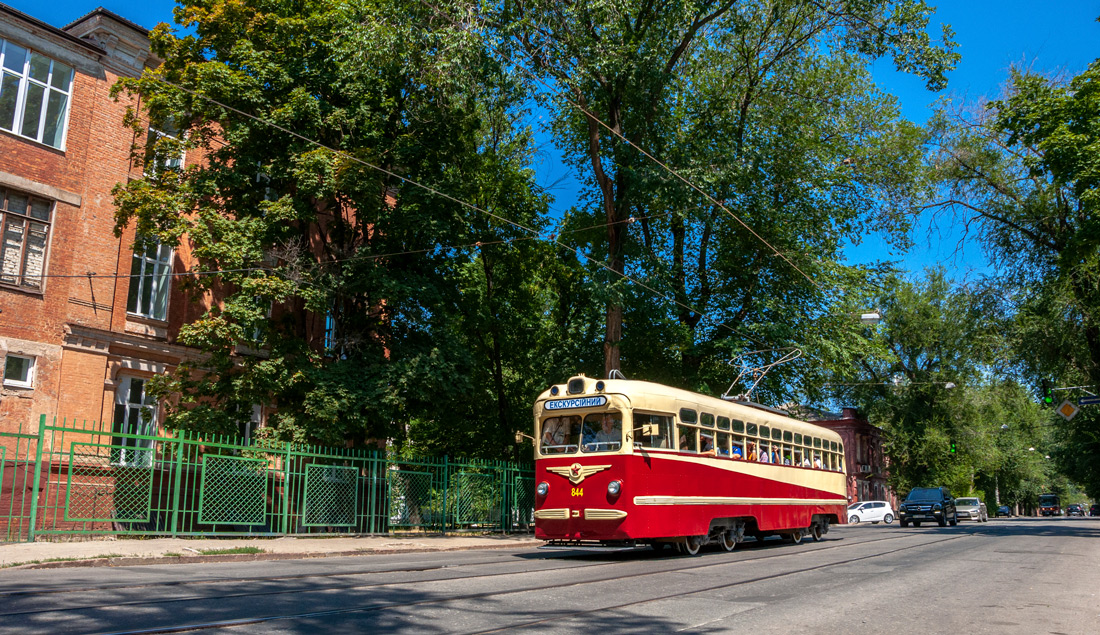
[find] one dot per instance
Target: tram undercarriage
(726, 532)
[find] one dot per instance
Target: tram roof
(647, 395)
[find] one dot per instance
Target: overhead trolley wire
(616, 133)
(533, 232)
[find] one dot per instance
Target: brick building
(866, 465)
(84, 321)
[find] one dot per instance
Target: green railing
(76, 478)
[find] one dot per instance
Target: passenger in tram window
(764, 456)
(786, 459)
(608, 437)
(688, 440)
(775, 456)
(723, 444)
(806, 461)
(708, 444)
(817, 461)
(736, 452)
(752, 452)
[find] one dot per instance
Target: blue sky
(993, 35)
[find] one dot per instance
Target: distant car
(971, 509)
(1094, 510)
(1004, 510)
(1073, 509)
(928, 504)
(870, 511)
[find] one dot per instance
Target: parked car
(1094, 510)
(1073, 509)
(1004, 510)
(870, 511)
(971, 509)
(928, 504)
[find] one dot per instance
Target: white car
(870, 512)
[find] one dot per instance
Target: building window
(34, 94)
(135, 414)
(163, 150)
(149, 280)
(18, 371)
(24, 236)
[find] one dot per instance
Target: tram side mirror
(648, 430)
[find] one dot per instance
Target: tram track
(613, 574)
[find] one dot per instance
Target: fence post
(446, 487)
(286, 489)
(178, 482)
(37, 477)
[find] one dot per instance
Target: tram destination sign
(579, 402)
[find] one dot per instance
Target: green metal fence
(76, 478)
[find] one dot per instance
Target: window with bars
(24, 237)
(34, 94)
(150, 279)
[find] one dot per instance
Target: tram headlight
(614, 487)
(599, 386)
(543, 488)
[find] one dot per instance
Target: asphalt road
(1006, 576)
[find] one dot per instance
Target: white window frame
(29, 221)
(152, 273)
(127, 418)
(16, 383)
(52, 86)
(153, 137)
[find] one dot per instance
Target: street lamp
(874, 316)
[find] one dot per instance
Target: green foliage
(769, 108)
(1023, 172)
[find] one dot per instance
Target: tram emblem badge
(577, 472)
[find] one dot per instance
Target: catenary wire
(640, 149)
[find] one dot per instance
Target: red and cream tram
(623, 463)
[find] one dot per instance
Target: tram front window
(603, 432)
(560, 435)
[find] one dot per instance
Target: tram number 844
(578, 491)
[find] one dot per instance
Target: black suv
(928, 503)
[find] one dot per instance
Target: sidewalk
(131, 551)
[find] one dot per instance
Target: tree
(930, 391)
(630, 76)
(314, 119)
(1022, 173)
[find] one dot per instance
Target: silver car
(971, 509)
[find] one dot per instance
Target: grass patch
(173, 554)
(233, 550)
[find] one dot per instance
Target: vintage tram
(624, 463)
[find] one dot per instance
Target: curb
(130, 561)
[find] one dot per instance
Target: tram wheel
(815, 532)
(691, 545)
(796, 537)
(729, 541)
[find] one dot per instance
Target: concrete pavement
(133, 551)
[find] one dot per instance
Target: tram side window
(663, 430)
(706, 420)
(706, 442)
(723, 444)
(603, 432)
(737, 447)
(723, 423)
(798, 456)
(560, 435)
(688, 440)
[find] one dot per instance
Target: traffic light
(1046, 392)
(952, 447)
